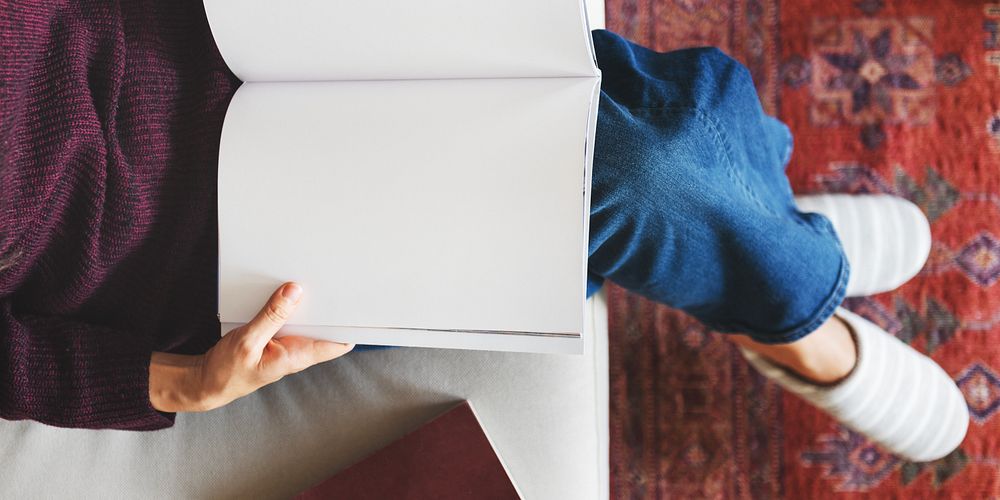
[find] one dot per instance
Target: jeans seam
(721, 138)
(721, 141)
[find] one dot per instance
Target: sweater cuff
(71, 374)
(119, 395)
(114, 395)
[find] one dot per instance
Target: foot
(886, 239)
(894, 395)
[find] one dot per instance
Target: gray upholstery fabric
(546, 414)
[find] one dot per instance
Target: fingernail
(291, 292)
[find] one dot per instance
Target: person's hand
(244, 360)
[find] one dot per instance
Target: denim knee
(721, 81)
(701, 77)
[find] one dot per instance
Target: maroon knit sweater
(110, 115)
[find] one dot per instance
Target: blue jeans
(690, 203)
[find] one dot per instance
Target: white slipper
(886, 238)
(895, 396)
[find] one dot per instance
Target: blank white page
(320, 40)
(449, 204)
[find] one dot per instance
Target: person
(110, 128)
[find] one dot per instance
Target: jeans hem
(823, 314)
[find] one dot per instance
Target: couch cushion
(546, 414)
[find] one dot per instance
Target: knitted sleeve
(110, 118)
(69, 373)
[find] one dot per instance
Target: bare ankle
(825, 356)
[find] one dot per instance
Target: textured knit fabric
(110, 116)
(690, 204)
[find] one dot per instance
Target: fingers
(325, 351)
(294, 353)
(272, 316)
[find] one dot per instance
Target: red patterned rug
(890, 96)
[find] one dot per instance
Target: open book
(422, 169)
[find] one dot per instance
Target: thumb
(298, 353)
(272, 316)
